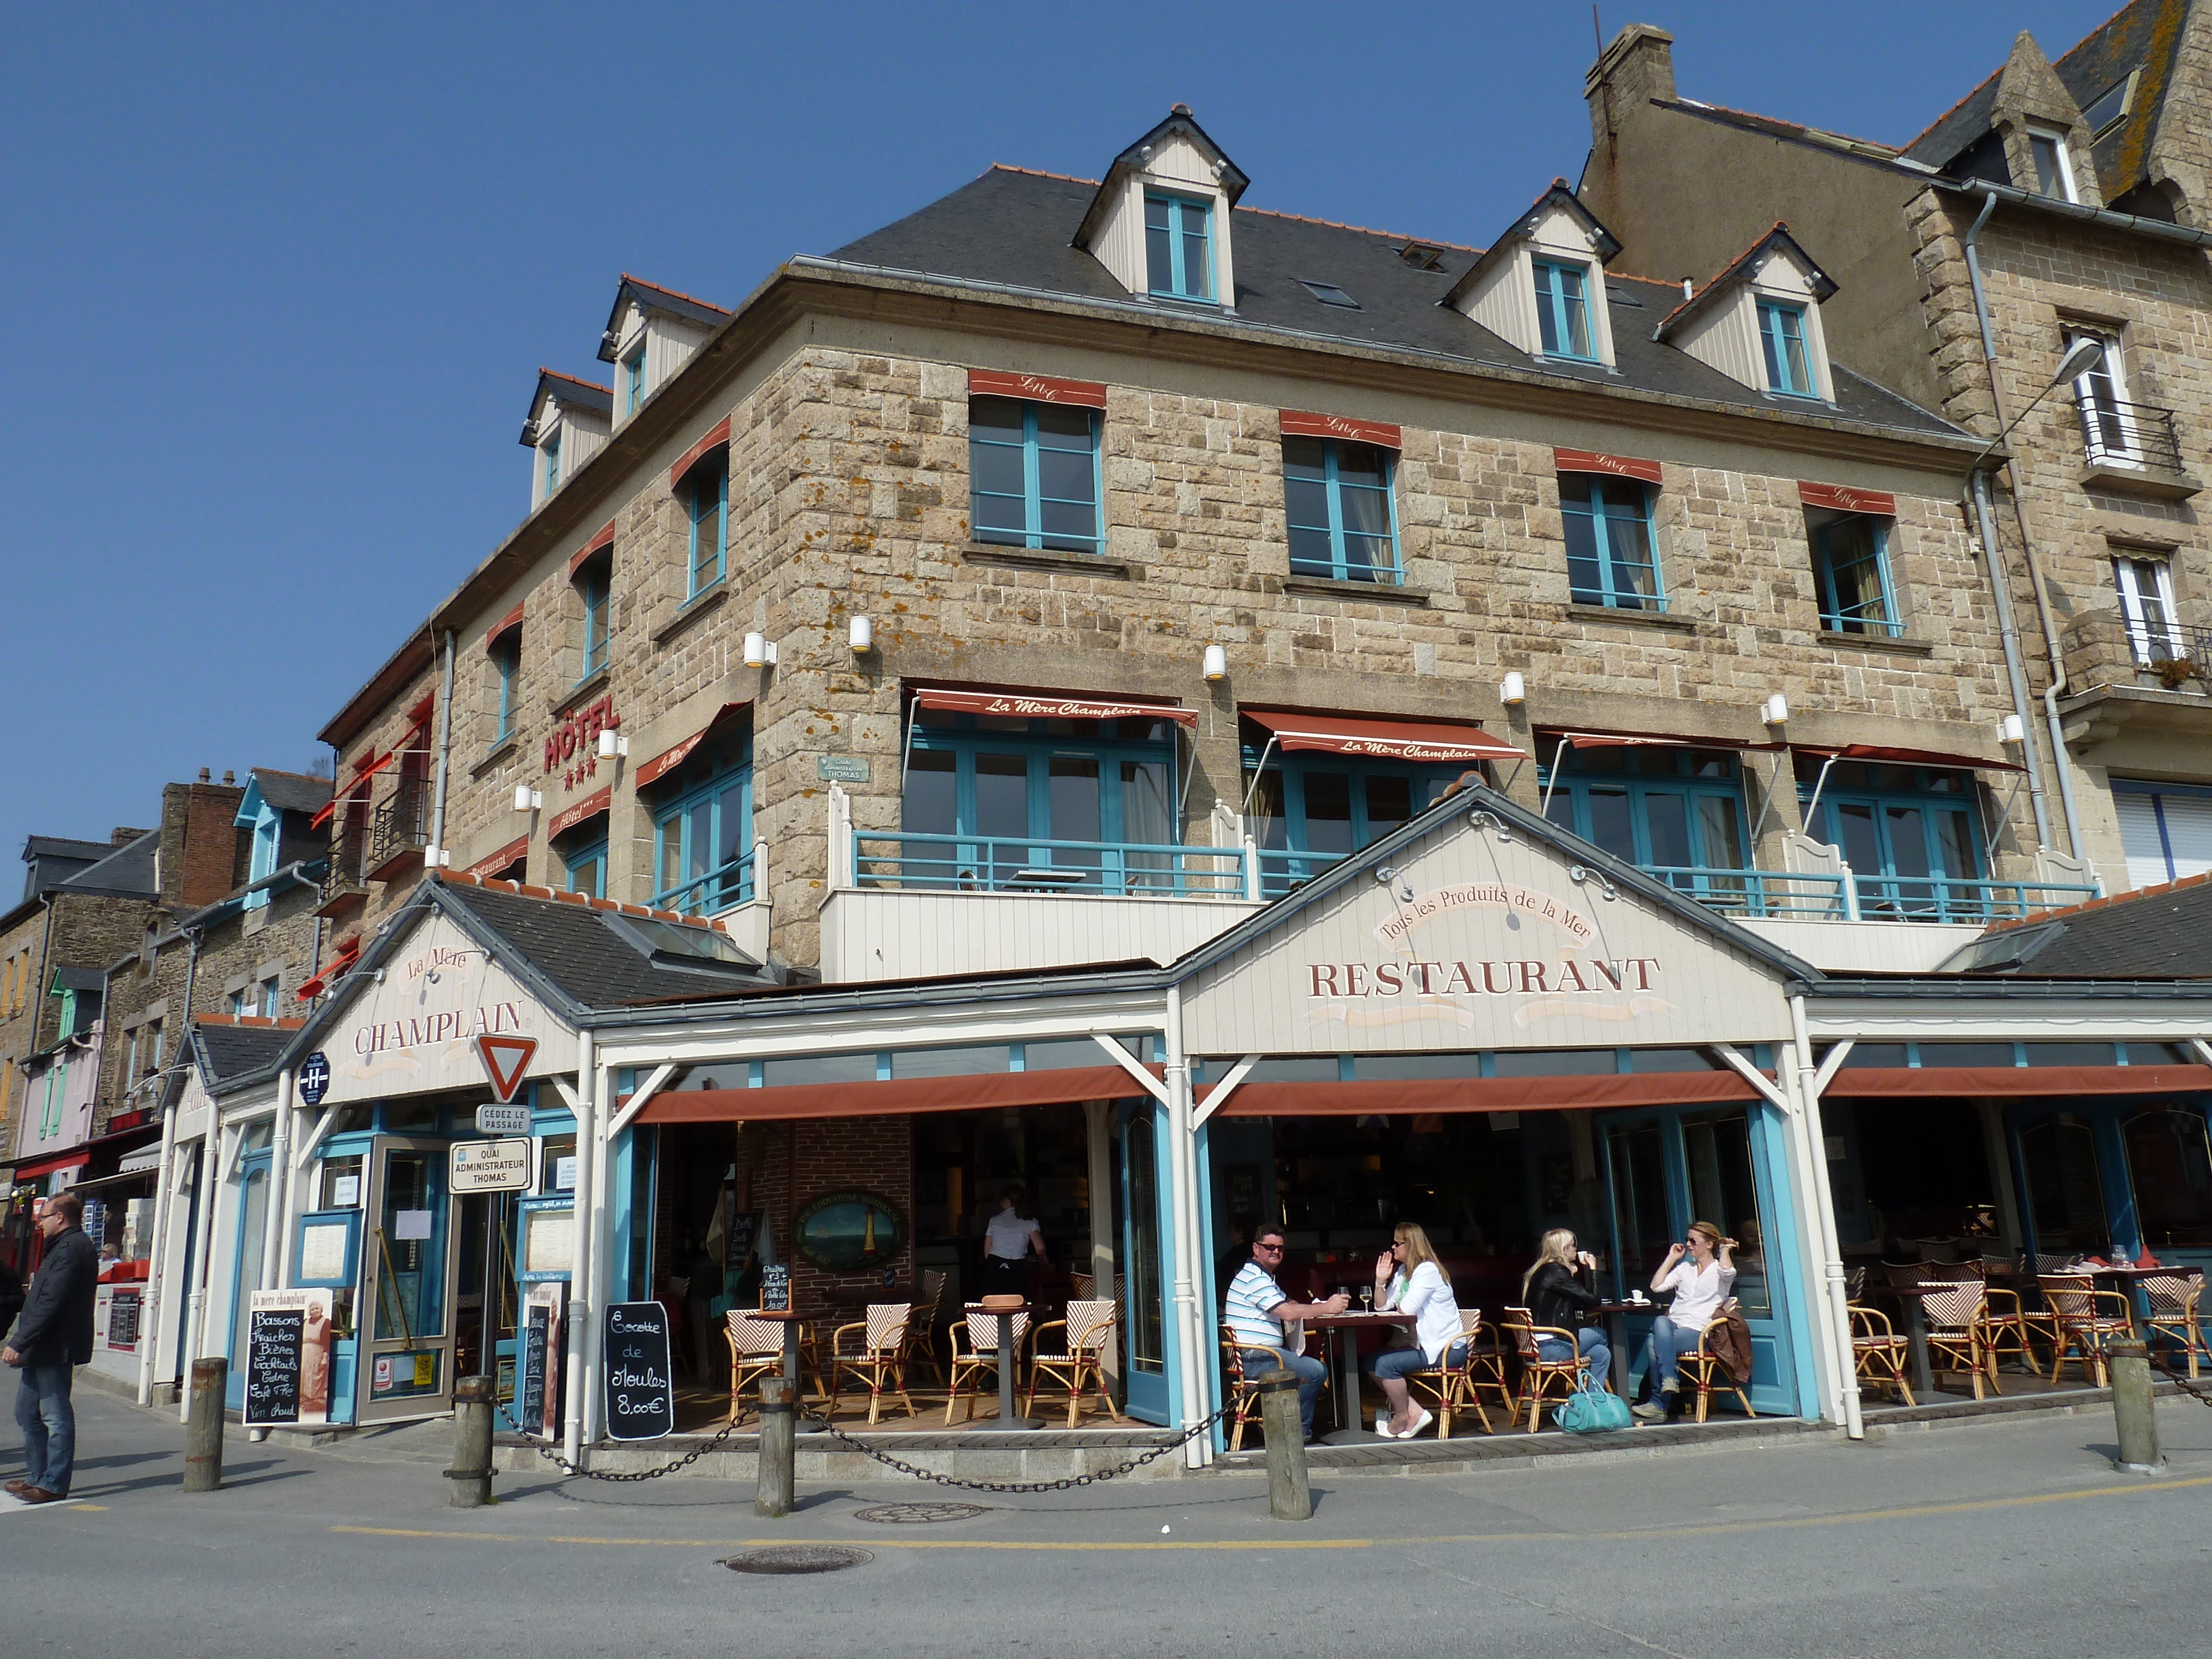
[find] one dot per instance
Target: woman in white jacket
(1409, 1278)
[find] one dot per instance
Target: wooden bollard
(1290, 1497)
(775, 1492)
(471, 1471)
(2132, 1408)
(203, 1425)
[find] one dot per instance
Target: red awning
(590, 807)
(1652, 740)
(519, 847)
(46, 1166)
(369, 770)
(1875, 752)
(893, 1098)
(1408, 740)
(1869, 1082)
(669, 759)
(1034, 705)
(348, 953)
(1486, 1094)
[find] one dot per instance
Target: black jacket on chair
(56, 1326)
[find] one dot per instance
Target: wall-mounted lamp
(527, 799)
(1491, 822)
(1580, 873)
(760, 650)
(1513, 691)
(860, 634)
(1384, 875)
(612, 743)
(2010, 731)
(1774, 711)
(1215, 663)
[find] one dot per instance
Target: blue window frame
(1613, 558)
(1562, 320)
(1677, 813)
(703, 832)
(1033, 475)
(551, 450)
(1178, 249)
(507, 670)
(1308, 811)
(585, 867)
(633, 381)
(1781, 337)
(1343, 522)
(1042, 797)
(593, 584)
(709, 509)
(1850, 566)
(1906, 831)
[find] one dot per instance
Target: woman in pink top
(1700, 1284)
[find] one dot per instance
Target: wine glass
(1366, 1298)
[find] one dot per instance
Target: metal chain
(546, 1449)
(2197, 1391)
(1068, 1483)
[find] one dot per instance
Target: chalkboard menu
(276, 1339)
(123, 1319)
(776, 1288)
(529, 1377)
(640, 1372)
(745, 1237)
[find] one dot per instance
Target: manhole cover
(910, 1515)
(798, 1557)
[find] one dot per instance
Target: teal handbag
(1591, 1410)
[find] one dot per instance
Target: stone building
(2073, 196)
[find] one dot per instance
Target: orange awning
(892, 1098)
(1484, 1094)
(1652, 740)
(368, 770)
(1872, 752)
(1442, 741)
(669, 759)
(1871, 1082)
(1046, 705)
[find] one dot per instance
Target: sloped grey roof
(651, 297)
(293, 791)
(227, 1051)
(2159, 932)
(583, 950)
(127, 873)
(1018, 229)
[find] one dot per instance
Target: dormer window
(1177, 247)
(550, 449)
(651, 333)
(2054, 167)
(570, 420)
(633, 379)
(1562, 309)
(1781, 337)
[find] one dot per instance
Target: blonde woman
(1699, 1271)
(1409, 1280)
(1560, 1289)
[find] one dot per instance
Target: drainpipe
(2051, 642)
(580, 1310)
(1824, 1207)
(2008, 632)
(436, 857)
(153, 1315)
(1182, 1178)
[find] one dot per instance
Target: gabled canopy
(1604, 244)
(1747, 265)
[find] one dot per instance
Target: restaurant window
(507, 674)
(1850, 569)
(1612, 556)
(584, 862)
(1341, 518)
(2170, 1165)
(1033, 472)
(2065, 1192)
(1306, 812)
(708, 509)
(1724, 1190)
(1640, 1218)
(594, 588)
(1677, 813)
(1143, 1285)
(557, 1163)
(1563, 322)
(1908, 833)
(703, 831)
(342, 1182)
(1178, 251)
(1048, 805)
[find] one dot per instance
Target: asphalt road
(2005, 1536)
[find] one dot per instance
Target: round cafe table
(1009, 1361)
(1342, 1331)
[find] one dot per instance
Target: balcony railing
(715, 891)
(1955, 898)
(918, 862)
(2122, 434)
(2176, 654)
(398, 827)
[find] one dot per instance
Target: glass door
(407, 1284)
(245, 1265)
(1144, 1306)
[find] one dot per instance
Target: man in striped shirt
(1257, 1311)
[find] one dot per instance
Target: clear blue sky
(280, 278)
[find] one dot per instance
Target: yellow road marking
(1903, 1513)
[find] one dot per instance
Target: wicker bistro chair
(1539, 1375)
(755, 1351)
(1485, 1362)
(1079, 1357)
(2176, 1314)
(877, 1358)
(1879, 1352)
(1453, 1386)
(921, 1329)
(976, 1350)
(1956, 1317)
(2087, 1319)
(2011, 1326)
(1241, 1381)
(1706, 1372)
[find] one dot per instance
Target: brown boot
(40, 1495)
(19, 1487)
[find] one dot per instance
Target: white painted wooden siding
(870, 933)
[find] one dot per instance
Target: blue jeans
(1309, 1373)
(1593, 1346)
(48, 1421)
(1669, 1342)
(1396, 1363)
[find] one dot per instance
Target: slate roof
(2156, 932)
(127, 873)
(293, 791)
(228, 1051)
(1018, 229)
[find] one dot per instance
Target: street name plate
(841, 769)
(490, 1166)
(502, 1120)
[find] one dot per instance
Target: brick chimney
(1638, 65)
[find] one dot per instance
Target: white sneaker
(1649, 1411)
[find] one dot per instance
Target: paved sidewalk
(2015, 1529)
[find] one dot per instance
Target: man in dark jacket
(52, 1338)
